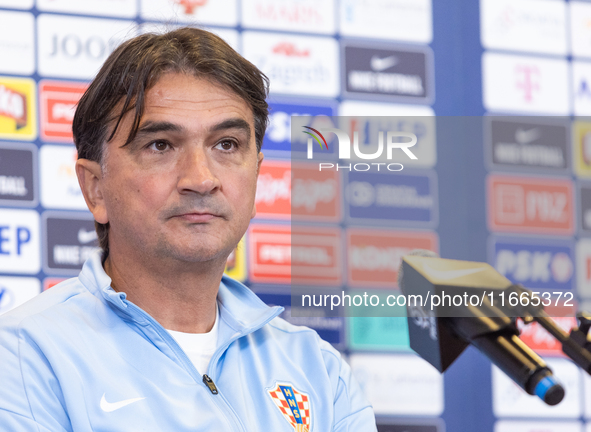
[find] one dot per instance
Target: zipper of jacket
(211, 369)
(190, 367)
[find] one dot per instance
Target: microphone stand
(575, 345)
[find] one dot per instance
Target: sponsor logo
(297, 190)
(535, 264)
(85, 236)
(401, 199)
(374, 256)
(17, 108)
(400, 20)
(75, 47)
(14, 106)
(59, 184)
(315, 194)
(535, 205)
(528, 144)
(294, 405)
(15, 291)
(514, 83)
(114, 406)
(524, 26)
(412, 376)
(542, 342)
(314, 16)
(398, 73)
(69, 241)
(222, 12)
(17, 43)
(509, 400)
(369, 118)
(295, 65)
(300, 255)
(18, 168)
(273, 196)
(329, 328)
(278, 136)
(19, 241)
(190, 6)
(58, 103)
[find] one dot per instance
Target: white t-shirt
(199, 347)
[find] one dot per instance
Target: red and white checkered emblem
(294, 405)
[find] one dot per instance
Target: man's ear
(260, 158)
(90, 179)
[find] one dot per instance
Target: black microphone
(440, 338)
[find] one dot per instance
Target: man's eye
(159, 146)
(226, 145)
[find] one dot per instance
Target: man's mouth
(197, 217)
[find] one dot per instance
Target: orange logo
(13, 105)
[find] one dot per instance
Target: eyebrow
(235, 123)
(151, 127)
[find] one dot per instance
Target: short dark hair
(137, 64)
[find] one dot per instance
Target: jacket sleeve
(30, 395)
(352, 411)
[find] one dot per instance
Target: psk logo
(294, 405)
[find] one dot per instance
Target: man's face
(184, 188)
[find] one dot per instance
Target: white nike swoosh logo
(380, 64)
(86, 236)
(108, 407)
(450, 274)
(523, 136)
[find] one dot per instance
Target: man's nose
(196, 174)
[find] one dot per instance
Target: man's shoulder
(52, 301)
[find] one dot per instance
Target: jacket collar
(240, 308)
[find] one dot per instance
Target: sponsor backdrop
(510, 185)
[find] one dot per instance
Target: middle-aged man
(151, 336)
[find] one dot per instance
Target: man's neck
(179, 297)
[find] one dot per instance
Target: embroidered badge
(294, 405)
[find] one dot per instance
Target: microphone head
(415, 252)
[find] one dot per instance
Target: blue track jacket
(80, 357)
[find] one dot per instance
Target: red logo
(58, 104)
(273, 197)
(289, 49)
(538, 339)
(295, 254)
(190, 5)
(315, 194)
(13, 105)
(532, 205)
(374, 256)
(297, 190)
